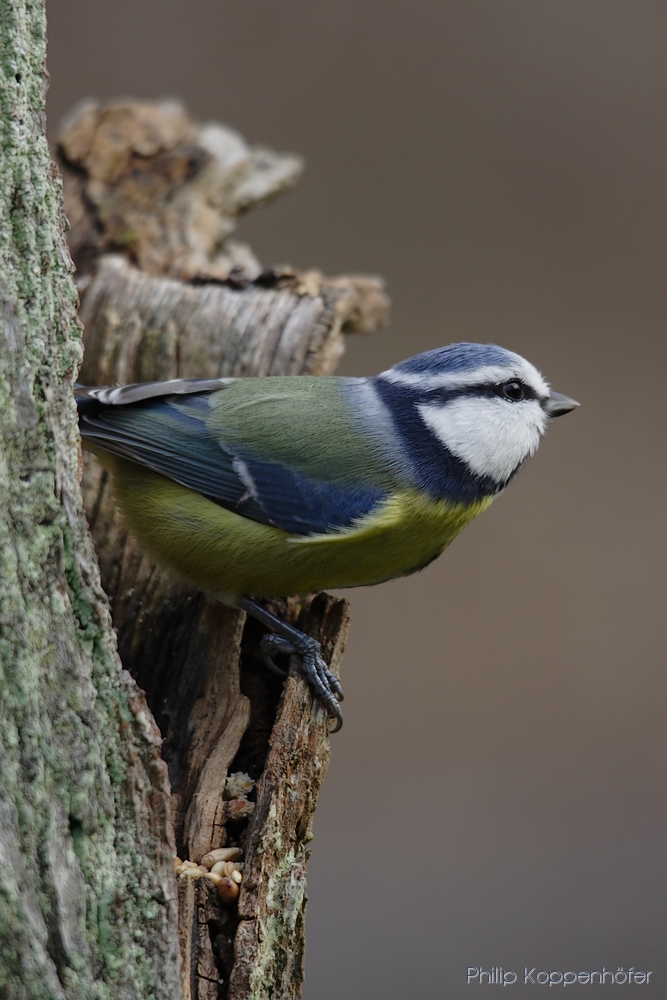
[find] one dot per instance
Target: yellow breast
(230, 555)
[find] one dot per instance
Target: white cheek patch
(491, 435)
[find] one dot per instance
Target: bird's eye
(513, 391)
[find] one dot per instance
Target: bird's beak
(557, 404)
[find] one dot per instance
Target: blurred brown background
(497, 795)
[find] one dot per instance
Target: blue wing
(167, 432)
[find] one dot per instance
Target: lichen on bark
(87, 898)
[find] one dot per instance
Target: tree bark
(178, 298)
(87, 895)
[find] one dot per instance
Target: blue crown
(455, 358)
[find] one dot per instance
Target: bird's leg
(285, 638)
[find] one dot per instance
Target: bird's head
(487, 406)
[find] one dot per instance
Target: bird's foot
(325, 685)
(290, 641)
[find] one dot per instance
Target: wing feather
(165, 427)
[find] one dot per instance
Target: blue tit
(266, 487)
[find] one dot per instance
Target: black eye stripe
(483, 390)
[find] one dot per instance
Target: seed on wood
(238, 809)
(228, 891)
(223, 868)
(238, 785)
(214, 877)
(221, 854)
(236, 877)
(189, 868)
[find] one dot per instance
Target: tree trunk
(87, 894)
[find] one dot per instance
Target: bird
(260, 487)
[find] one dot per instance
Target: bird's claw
(270, 646)
(325, 685)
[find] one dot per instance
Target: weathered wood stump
(194, 306)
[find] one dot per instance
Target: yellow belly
(230, 555)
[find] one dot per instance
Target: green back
(303, 422)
